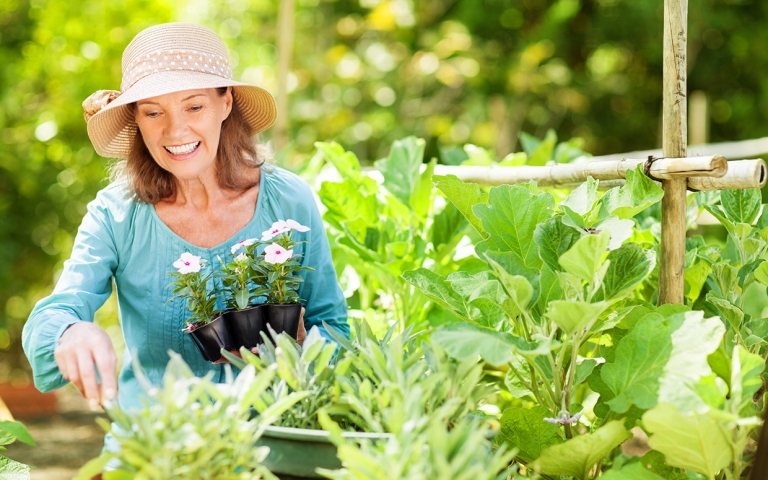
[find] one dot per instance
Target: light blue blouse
(122, 240)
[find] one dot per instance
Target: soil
(65, 440)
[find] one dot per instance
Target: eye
(195, 108)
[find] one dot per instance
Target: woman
(189, 179)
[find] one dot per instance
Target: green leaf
(638, 193)
(579, 203)
(447, 228)
(628, 266)
(554, 238)
(539, 151)
(17, 430)
(510, 219)
(585, 257)
(463, 196)
(346, 163)
(693, 441)
(401, 168)
(633, 471)
(727, 310)
(662, 360)
(463, 340)
(746, 371)
(577, 456)
(761, 273)
(634, 374)
(741, 205)
(526, 430)
(437, 289)
(517, 287)
(573, 315)
(421, 197)
(11, 469)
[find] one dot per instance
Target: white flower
(242, 244)
(241, 259)
(278, 228)
(282, 226)
(294, 225)
(188, 263)
(276, 254)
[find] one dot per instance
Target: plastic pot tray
(299, 451)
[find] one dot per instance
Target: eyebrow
(147, 102)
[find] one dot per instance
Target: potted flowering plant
(279, 266)
(244, 318)
(205, 323)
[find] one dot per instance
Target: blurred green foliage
(363, 73)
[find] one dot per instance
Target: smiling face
(182, 129)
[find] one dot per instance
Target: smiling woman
(189, 178)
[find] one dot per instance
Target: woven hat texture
(162, 59)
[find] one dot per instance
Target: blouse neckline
(229, 241)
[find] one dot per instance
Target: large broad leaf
(741, 205)
(401, 168)
(346, 163)
(554, 238)
(347, 201)
(628, 266)
(619, 230)
(662, 361)
(633, 471)
(462, 341)
(579, 203)
(638, 363)
(539, 151)
(448, 227)
(510, 219)
(463, 196)
(422, 195)
(437, 289)
(577, 456)
(17, 431)
(478, 285)
(694, 442)
(517, 287)
(573, 315)
(526, 430)
(638, 193)
(584, 258)
(745, 381)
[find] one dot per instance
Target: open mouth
(182, 149)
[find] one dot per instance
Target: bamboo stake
(741, 174)
(671, 281)
(573, 173)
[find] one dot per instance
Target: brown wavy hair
(237, 152)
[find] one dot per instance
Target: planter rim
(292, 433)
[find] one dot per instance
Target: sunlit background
(363, 73)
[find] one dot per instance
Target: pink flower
(276, 254)
(294, 225)
(188, 263)
(242, 244)
(280, 227)
(277, 228)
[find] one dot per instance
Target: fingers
(301, 334)
(106, 365)
(85, 356)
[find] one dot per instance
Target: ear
(228, 100)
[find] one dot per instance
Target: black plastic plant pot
(245, 326)
(284, 317)
(211, 338)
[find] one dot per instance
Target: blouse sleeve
(320, 291)
(84, 285)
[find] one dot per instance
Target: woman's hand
(83, 350)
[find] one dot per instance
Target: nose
(176, 125)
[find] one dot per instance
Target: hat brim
(112, 129)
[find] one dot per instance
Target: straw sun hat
(162, 59)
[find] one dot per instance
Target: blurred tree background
(363, 73)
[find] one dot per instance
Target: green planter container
(298, 452)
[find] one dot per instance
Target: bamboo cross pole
(674, 144)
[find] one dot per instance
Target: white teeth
(182, 149)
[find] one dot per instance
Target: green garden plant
(559, 308)
(10, 432)
(191, 427)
